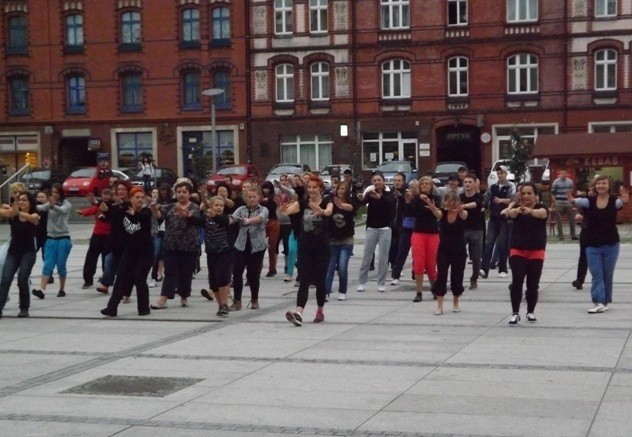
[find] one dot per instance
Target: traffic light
(31, 159)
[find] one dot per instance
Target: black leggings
(522, 268)
(313, 263)
(132, 272)
(252, 263)
(452, 258)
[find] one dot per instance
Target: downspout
(566, 61)
(354, 68)
(248, 83)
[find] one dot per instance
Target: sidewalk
(378, 365)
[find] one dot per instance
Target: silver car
(286, 168)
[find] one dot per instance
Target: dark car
(161, 174)
(42, 179)
(389, 168)
(239, 173)
(444, 169)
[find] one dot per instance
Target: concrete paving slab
(57, 429)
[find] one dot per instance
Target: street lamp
(212, 92)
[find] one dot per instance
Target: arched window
(284, 75)
(76, 94)
(458, 76)
(191, 90)
(19, 96)
(222, 80)
(522, 74)
(605, 70)
(396, 79)
(319, 72)
(132, 95)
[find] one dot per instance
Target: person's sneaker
(575, 238)
(287, 278)
(320, 317)
(108, 312)
(418, 297)
(473, 285)
(515, 318)
(22, 314)
(253, 304)
(531, 317)
(236, 306)
(361, 288)
(61, 293)
(578, 285)
(204, 292)
(599, 308)
(86, 285)
(381, 288)
(38, 293)
(224, 310)
(395, 282)
(153, 284)
(502, 274)
(482, 274)
(294, 318)
(103, 289)
(342, 296)
(271, 274)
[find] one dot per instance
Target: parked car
(239, 173)
(493, 178)
(42, 179)
(389, 168)
(88, 180)
(161, 174)
(444, 169)
(329, 170)
(286, 168)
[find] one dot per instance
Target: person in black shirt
(472, 201)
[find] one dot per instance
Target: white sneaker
(361, 287)
(342, 296)
(599, 308)
(502, 274)
(381, 288)
(153, 284)
(395, 282)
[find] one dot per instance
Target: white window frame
(520, 11)
(395, 14)
(284, 80)
(397, 73)
(605, 8)
(458, 5)
(319, 74)
(318, 16)
(455, 76)
(283, 17)
(533, 136)
(524, 66)
(605, 70)
(319, 141)
(613, 126)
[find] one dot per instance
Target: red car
(239, 174)
(87, 180)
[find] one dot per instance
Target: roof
(582, 144)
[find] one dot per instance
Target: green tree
(520, 152)
(201, 163)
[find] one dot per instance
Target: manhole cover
(117, 385)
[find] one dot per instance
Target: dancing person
(399, 193)
(20, 258)
(99, 240)
(314, 250)
(58, 244)
(425, 237)
(379, 221)
(526, 254)
(341, 231)
(136, 259)
(181, 244)
(472, 201)
(272, 226)
(451, 254)
(602, 237)
(559, 200)
(405, 232)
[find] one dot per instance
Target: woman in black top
(526, 253)
(21, 254)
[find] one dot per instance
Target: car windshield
(294, 169)
(448, 167)
(42, 175)
(83, 173)
(129, 173)
(391, 167)
(232, 170)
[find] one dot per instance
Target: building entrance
(460, 143)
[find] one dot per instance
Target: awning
(582, 144)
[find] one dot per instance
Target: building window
(457, 76)
(522, 10)
(220, 22)
(74, 32)
(395, 14)
(190, 27)
(612, 127)
(221, 80)
(605, 8)
(282, 17)
(605, 70)
(76, 95)
(191, 86)
(19, 96)
(522, 74)
(457, 12)
(320, 81)
(132, 93)
(313, 150)
(318, 16)
(17, 43)
(284, 74)
(528, 134)
(379, 147)
(130, 31)
(132, 146)
(396, 79)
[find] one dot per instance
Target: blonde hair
(18, 187)
(215, 199)
(451, 196)
(426, 179)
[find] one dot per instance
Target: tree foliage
(520, 152)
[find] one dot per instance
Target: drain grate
(117, 385)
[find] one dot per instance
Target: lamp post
(212, 92)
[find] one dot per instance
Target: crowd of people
(146, 238)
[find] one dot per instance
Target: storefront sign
(601, 161)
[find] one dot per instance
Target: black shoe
(574, 238)
(51, 280)
(61, 293)
(38, 293)
(204, 292)
(22, 314)
(271, 274)
(108, 312)
(418, 298)
(143, 313)
(577, 284)
(87, 285)
(224, 309)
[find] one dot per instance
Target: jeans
(23, 264)
(373, 237)
(340, 254)
(403, 248)
(108, 270)
(474, 242)
(564, 207)
(497, 235)
(601, 262)
(158, 243)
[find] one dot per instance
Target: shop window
(76, 95)
(190, 28)
(395, 14)
(19, 96)
(396, 79)
(132, 93)
(313, 150)
(132, 146)
(130, 31)
(191, 90)
(220, 31)
(222, 80)
(522, 74)
(17, 38)
(74, 34)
